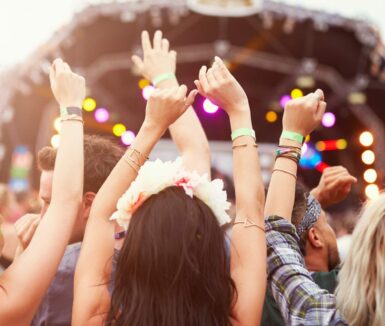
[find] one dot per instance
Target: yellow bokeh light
(89, 104)
(368, 157)
(366, 138)
(296, 93)
(341, 144)
(271, 116)
(143, 83)
(57, 125)
(55, 140)
(118, 129)
(372, 191)
(307, 139)
(370, 175)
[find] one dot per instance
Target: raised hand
(219, 85)
(165, 106)
(68, 88)
(26, 227)
(157, 58)
(334, 186)
(303, 115)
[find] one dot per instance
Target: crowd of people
(121, 240)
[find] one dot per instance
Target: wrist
(152, 129)
(289, 142)
(69, 104)
(240, 119)
(168, 83)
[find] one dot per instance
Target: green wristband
(163, 77)
(290, 135)
(242, 132)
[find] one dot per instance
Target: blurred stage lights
(296, 93)
(209, 106)
(89, 104)
(357, 98)
(284, 99)
(368, 157)
(306, 81)
(370, 175)
(366, 139)
(101, 115)
(57, 124)
(143, 83)
(372, 191)
(271, 116)
(328, 120)
(55, 140)
(331, 145)
(147, 91)
(127, 137)
(118, 129)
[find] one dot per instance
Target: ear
(314, 238)
(88, 199)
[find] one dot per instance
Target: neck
(315, 263)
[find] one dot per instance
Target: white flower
(153, 177)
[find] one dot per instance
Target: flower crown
(156, 176)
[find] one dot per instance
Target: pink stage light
(128, 137)
(147, 91)
(284, 100)
(101, 115)
(328, 120)
(209, 106)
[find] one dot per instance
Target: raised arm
(93, 271)
(301, 117)
(248, 252)
(159, 65)
(25, 282)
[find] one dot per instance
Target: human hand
(68, 88)
(157, 59)
(303, 115)
(165, 106)
(334, 186)
(219, 85)
(26, 227)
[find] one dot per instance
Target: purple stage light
(209, 106)
(127, 137)
(328, 120)
(284, 100)
(147, 91)
(101, 115)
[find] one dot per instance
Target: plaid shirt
(300, 300)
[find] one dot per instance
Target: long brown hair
(173, 268)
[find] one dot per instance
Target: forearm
(281, 192)
(248, 256)
(190, 138)
(67, 187)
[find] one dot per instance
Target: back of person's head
(360, 293)
(299, 210)
(100, 157)
(172, 269)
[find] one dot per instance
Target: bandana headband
(312, 214)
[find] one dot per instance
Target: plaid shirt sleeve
(300, 300)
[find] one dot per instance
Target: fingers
(199, 86)
(320, 94)
(321, 110)
(165, 45)
(158, 40)
(181, 92)
(203, 78)
(225, 73)
(146, 44)
(138, 62)
(211, 78)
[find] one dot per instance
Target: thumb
(138, 62)
(191, 98)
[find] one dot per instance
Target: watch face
(226, 8)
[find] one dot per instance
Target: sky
(26, 24)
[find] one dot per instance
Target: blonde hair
(360, 293)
